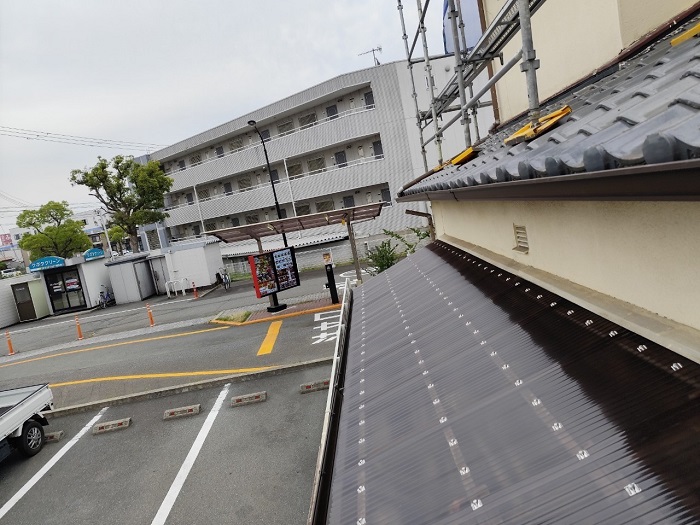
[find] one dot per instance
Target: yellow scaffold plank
(529, 132)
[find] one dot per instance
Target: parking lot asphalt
(254, 465)
(120, 357)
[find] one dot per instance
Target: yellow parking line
(162, 375)
(112, 345)
(270, 338)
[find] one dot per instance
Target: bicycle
(225, 279)
(106, 298)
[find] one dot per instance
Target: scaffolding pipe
(460, 75)
(431, 84)
(420, 23)
(482, 91)
(530, 63)
(414, 95)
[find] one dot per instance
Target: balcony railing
(362, 109)
(348, 164)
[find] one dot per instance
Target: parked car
(9, 272)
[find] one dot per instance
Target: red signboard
(274, 271)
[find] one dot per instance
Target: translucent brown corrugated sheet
(473, 396)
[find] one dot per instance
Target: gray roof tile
(647, 112)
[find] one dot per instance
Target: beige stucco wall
(647, 254)
(573, 38)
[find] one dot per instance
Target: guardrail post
(150, 314)
(77, 325)
(194, 288)
(9, 343)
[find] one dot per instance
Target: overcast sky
(158, 71)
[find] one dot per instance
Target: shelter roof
(303, 222)
(473, 396)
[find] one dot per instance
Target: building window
(283, 213)
(285, 128)
(325, 206)
(274, 176)
(203, 194)
(219, 151)
(181, 165)
(369, 99)
(196, 229)
(386, 196)
(378, 150)
(236, 144)
(341, 159)
(228, 190)
(317, 164)
(190, 199)
(235, 221)
(521, 243)
(294, 170)
(265, 134)
(332, 111)
(153, 239)
(252, 218)
(196, 159)
(244, 183)
(348, 202)
(303, 209)
(307, 120)
(209, 226)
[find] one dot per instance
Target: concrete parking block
(174, 413)
(324, 384)
(109, 426)
(247, 399)
(53, 437)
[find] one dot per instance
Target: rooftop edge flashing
(670, 181)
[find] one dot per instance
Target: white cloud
(162, 70)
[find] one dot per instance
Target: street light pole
(269, 171)
(275, 306)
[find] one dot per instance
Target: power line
(75, 139)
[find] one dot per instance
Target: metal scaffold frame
(513, 18)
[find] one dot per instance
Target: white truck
(21, 419)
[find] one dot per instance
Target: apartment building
(348, 141)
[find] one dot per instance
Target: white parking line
(187, 465)
(36, 477)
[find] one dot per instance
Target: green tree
(420, 234)
(117, 235)
(131, 192)
(382, 256)
(55, 232)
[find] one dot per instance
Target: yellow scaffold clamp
(530, 131)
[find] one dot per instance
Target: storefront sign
(274, 271)
(93, 253)
(47, 262)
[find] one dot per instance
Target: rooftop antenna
(373, 50)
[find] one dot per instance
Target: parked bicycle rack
(182, 283)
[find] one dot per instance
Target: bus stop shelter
(345, 216)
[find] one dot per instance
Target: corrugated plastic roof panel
(474, 396)
(648, 112)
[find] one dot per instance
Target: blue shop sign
(93, 253)
(47, 262)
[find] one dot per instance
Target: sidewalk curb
(187, 387)
(280, 316)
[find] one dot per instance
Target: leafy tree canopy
(131, 192)
(117, 235)
(55, 232)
